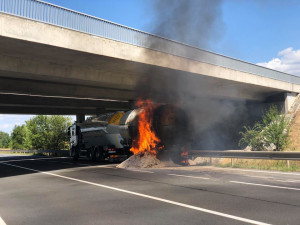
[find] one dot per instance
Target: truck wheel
(89, 154)
(102, 155)
(92, 155)
(74, 154)
(97, 154)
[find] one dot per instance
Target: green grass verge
(278, 165)
(261, 164)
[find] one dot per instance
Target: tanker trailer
(109, 136)
(98, 139)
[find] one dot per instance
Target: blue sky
(258, 31)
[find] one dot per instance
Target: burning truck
(159, 129)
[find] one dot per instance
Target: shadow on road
(16, 165)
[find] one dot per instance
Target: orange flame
(146, 140)
(184, 156)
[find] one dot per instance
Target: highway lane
(85, 193)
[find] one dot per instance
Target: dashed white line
(101, 166)
(266, 185)
(275, 179)
(288, 181)
(259, 171)
(67, 163)
(142, 171)
(20, 160)
(2, 221)
(148, 197)
(204, 178)
(259, 177)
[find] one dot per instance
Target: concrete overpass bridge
(57, 61)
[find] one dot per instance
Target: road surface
(58, 191)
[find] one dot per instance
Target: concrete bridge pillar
(80, 118)
(289, 99)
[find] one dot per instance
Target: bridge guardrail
(246, 154)
(59, 16)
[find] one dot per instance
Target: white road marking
(142, 171)
(259, 176)
(102, 166)
(148, 197)
(204, 178)
(2, 221)
(289, 181)
(87, 167)
(20, 160)
(73, 169)
(275, 179)
(66, 163)
(265, 185)
(260, 171)
(55, 161)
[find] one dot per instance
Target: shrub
(271, 132)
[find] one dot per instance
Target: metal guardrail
(55, 15)
(193, 153)
(246, 154)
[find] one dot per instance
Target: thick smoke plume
(194, 22)
(215, 121)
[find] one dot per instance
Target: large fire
(146, 140)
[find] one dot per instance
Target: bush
(275, 129)
(271, 132)
(252, 137)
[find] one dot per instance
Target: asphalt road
(57, 191)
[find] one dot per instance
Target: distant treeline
(39, 133)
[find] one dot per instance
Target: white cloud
(288, 61)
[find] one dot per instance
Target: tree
(58, 131)
(48, 132)
(19, 138)
(39, 129)
(4, 140)
(271, 132)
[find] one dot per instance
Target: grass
(280, 165)
(261, 164)
(17, 153)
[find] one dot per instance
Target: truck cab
(97, 140)
(73, 136)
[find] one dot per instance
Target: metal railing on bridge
(55, 15)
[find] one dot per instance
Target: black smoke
(194, 22)
(214, 121)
